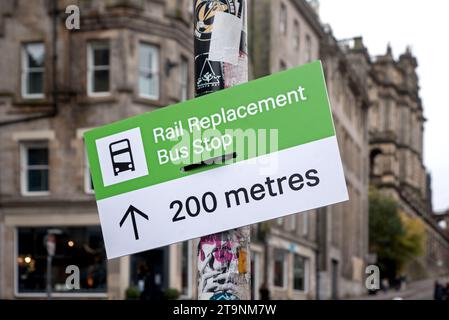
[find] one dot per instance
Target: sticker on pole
(247, 154)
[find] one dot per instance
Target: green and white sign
(254, 152)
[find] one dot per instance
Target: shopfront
(79, 247)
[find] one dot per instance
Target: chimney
(358, 43)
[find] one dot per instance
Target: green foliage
(172, 294)
(132, 293)
(413, 241)
(385, 225)
(264, 230)
(395, 237)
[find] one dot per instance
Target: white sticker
(225, 40)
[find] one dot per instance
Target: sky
(423, 25)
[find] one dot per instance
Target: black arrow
(132, 210)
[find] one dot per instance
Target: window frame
(155, 73)
(308, 52)
(24, 167)
(284, 268)
(91, 46)
(306, 273)
(26, 71)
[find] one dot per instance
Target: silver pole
(223, 258)
(49, 280)
(50, 244)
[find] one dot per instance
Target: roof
(310, 15)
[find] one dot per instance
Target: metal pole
(49, 280)
(223, 258)
(50, 244)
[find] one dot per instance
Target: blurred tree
(395, 237)
(413, 241)
(385, 233)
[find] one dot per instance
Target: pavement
(418, 290)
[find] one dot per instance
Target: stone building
(284, 34)
(343, 228)
(396, 127)
(326, 247)
(128, 57)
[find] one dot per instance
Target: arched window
(374, 165)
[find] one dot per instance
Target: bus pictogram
(121, 156)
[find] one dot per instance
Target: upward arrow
(132, 211)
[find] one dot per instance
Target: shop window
(280, 267)
(300, 273)
(79, 246)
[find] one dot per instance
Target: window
(388, 106)
(283, 19)
(296, 35)
(300, 273)
(308, 48)
(33, 60)
(282, 66)
(186, 269)
(148, 71)
(35, 169)
(184, 80)
(88, 183)
(279, 268)
(98, 69)
(305, 223)
(293, 222)
(80, 246)
(280, 222)
(149, 272)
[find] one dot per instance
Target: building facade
(396, 125)
(127, 58)
(284, 34)
(332, 242)
(343, 228)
